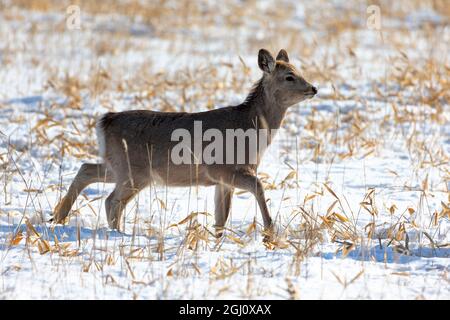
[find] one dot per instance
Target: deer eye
(289, 78)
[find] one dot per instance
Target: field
(358, 179)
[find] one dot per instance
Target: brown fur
(137, 146)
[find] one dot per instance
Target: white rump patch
(101, 139)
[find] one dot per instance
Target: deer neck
(270, 115)
(267, 112)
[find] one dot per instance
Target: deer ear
(265, 61)
(282, 55)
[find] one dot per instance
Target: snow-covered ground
(358, 179)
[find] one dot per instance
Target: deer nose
(314, 89)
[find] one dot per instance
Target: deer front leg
(247, 181)
(222, 200)
(252, 184)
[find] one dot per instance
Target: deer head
(283, 83)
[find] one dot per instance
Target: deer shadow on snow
(63, 233)
(71, 233)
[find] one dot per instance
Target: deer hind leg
(116, 202)
(222, 199)
(89, 173)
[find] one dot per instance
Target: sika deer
(137, 146)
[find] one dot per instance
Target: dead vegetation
(408, 107)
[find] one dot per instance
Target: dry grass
(415, 91)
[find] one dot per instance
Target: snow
(374, 136)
